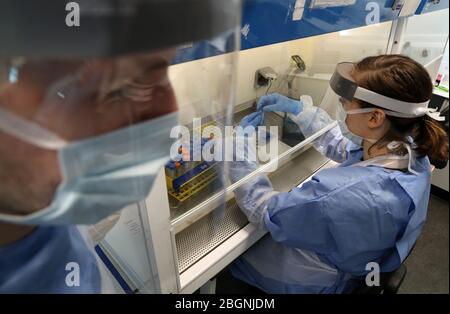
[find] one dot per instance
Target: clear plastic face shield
(339, 100)
(205, 92)
(88, 111)
(343, 89)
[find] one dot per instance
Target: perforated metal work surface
(207, 233)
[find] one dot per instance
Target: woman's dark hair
(404, 79)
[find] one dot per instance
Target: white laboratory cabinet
(166, 246)
(440, 178)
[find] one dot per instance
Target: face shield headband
(343, 84)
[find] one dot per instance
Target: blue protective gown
(325, 232)
(39, 263)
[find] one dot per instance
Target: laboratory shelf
(204, 235)
(185, 213)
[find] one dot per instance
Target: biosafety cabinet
(190, 227)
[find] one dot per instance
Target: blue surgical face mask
(104, 174)
(341, 116)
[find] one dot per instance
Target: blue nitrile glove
(277, 102)
(254, 119)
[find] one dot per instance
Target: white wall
(426, 35)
